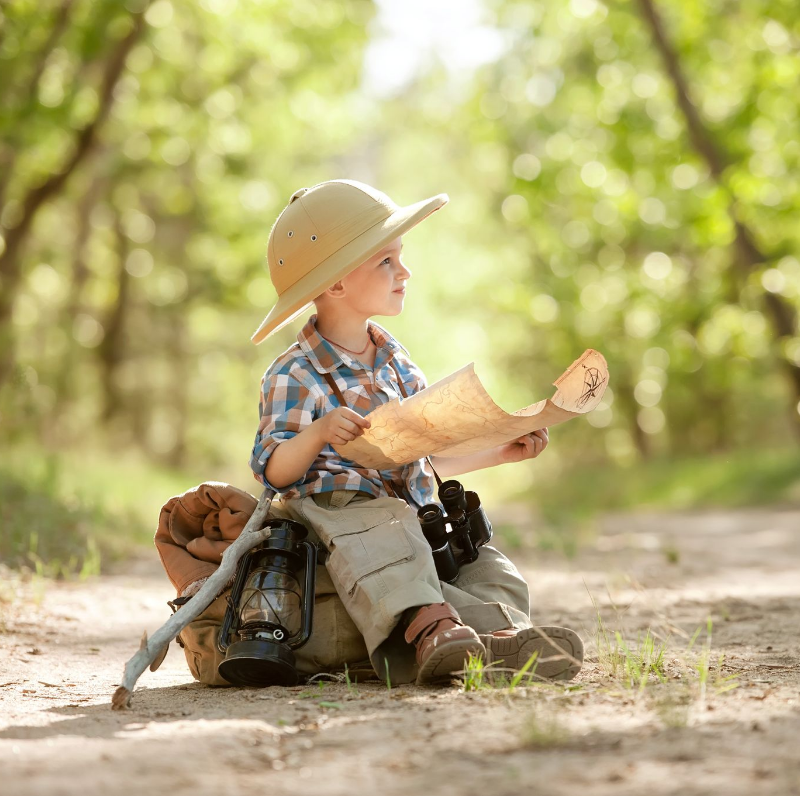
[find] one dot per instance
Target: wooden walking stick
(150, 648)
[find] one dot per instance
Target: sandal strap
(428, 618)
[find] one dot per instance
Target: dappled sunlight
(621, 177)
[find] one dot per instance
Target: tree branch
(750, 256)
(84, 140)
(151, 648)
(10, 267)
(59, 26)
(110, 349)
(699, 134)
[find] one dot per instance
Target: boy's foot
(559, 651)
(443, 642)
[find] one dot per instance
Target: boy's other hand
(528, 446)
(341, 425)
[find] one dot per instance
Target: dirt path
(62, 659)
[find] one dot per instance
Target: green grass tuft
(634, 665)
(477, 677)
(352, 685)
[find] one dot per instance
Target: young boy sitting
(338, 245)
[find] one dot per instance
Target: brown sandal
(443, 642)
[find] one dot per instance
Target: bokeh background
(622, 175)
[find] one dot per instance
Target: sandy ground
(63, 647)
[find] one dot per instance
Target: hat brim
(299, 297)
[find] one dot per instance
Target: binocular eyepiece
(455, 533)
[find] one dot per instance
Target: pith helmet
(323, 234)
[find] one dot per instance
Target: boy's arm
(291, 433)
(519, 449)
(286, 433)
(291, 459)
(337, 427)
(460, 465)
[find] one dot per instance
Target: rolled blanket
(194, 529)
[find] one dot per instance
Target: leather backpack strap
(405, 394)
(334, 388)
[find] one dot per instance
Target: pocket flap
(364, 542)
(354, 519)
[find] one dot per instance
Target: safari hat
(323, 234)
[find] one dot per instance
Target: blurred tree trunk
(749, 256)
(111, 349)
(63, 384)
(630, 409)
(179, 395)
(139, 407)
(84, 141)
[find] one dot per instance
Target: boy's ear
(337, 290)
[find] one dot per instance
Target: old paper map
(456, 416)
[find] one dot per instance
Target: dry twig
(151, 648)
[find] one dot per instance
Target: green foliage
(144, 280)
(67, 515)
(527, 669)
(52, 535)
(633, 665)
(582, 214)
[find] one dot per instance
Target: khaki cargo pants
(379, 565)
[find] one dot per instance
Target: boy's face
(377, 287)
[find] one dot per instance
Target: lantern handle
(231, 613)
(299, 639)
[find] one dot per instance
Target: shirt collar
(326, 358)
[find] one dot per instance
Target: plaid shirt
(294, 394)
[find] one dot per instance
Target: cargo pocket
(364, 541)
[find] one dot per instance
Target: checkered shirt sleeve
(286, 406)
(294, 394)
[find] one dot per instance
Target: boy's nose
(404, 271)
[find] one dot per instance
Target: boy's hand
(528, 446)
(341, 425)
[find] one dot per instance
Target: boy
(338, 245)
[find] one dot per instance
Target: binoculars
(456, 533)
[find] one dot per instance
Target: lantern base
(255, 662)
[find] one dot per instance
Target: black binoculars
(456, 533)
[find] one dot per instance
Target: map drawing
(456, 416)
